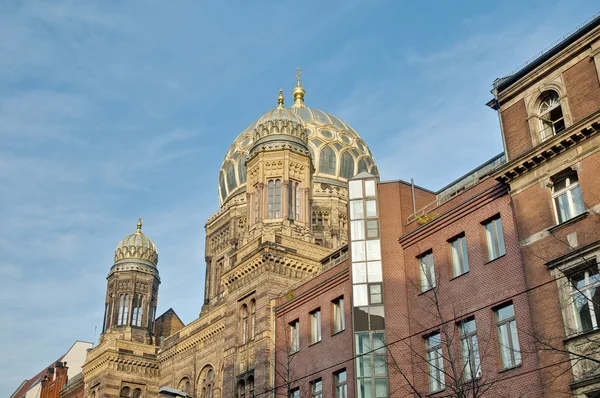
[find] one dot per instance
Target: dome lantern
(298, 92)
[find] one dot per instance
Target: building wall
(323, 359)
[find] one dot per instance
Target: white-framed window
(508, 338)
(494, 238)
(274, 198)
(123, 309)
(552, 120)
(316, 388)
(315, 326)
(566, 196)
(294, 336)
(427, 271)
(435, 362)
(585, 297)
(469, 350)
(459, 256)
(341, 386)
(339, 322)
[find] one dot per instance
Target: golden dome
(338, 152)
(137, 246)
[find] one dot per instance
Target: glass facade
(368, 298)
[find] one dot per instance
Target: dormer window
(551, 115)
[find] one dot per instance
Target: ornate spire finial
(298, 92)
(139, 224)
(280, 99)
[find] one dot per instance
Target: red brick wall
(334, 351)
(583, 89)
(516, 129)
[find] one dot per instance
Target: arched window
(222, 186)
(185, 385)
(123, 309)
(251, 387)
(274, 199)
(242, 171)
(125, 392)
(347, 166)
(137, 393)
(231, 183)
(362, 166)
(294, 200)
(93, 394)
(252, 319)
(327, 160)
(244, 323)
(136, 311)
(241, 389)
(207, 381)
(551, 115)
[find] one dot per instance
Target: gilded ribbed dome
(137, 246)
(338, 152)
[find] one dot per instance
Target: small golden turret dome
(137, 246)
(298, 92)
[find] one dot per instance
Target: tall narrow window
(252, 319)
(294, 393)
(494, 238)
(241, 389)
(244, 323)
(123, 309)
(567, 197)
(551, 115)
(585, 298)
(338, 315)
(294, 200)
(317, 388)
(427, 271)
(508, 338)
(347, 166)
(315, 326)
(341, 387)
(136, 311)
(327, 161)
(125, 392)
(256, 204)
(435, 362)
(470, 350)
(294, 336)
(251, 387)
(460, 260)
(277, 198)
(274, 199)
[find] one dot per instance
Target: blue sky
(110, 110)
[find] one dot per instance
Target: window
(185, 385)
(371, 365)
(460, 260)
(327, 161)
(427, 271)
(294, 200)
(567, 198)
(241, 389)
(508, 338)
(125, 392)
(494, 238)
(231, 183)
(206, 381)
(294, 336)
(244, 323)
(316, 388)
(338, 315)
(315, 326)
(585, 298)
(341, 388)
(347, 166)
(256, 204)
(295, 393)
(435, 362)
(136, 311)
(372, 228)
(252, 319)
(137, 393)
(551, 115)
(123, 309)
(274, 199)
(375, 293)
(470, 350)
(251, 387)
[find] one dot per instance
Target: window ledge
(511, 368)
(315, 343)
(338, 332)
(570, 221)
(578, 335)
(458, 276)
(494, 259)
(426, 291)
